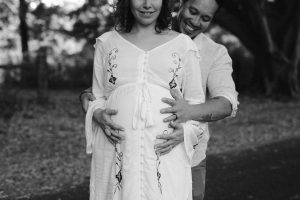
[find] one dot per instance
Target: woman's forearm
(212, 110)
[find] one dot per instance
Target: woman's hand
(111, 129)
(171, 140)
(180, 108)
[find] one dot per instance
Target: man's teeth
(188, 28)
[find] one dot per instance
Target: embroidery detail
(158, 174)
(177, 63)
(112, 65)
(119, 156)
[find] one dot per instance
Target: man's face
(195, 16)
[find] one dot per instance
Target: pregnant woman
(134, 67)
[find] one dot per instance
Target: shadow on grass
(270, 172)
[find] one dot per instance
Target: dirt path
(270, 172)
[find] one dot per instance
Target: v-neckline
(142, 50)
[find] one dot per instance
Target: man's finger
(91, 97)
(167, 110)
(175, 94)
(169, 101)
(170, 118)
(174, 124)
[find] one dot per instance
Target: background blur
(46, 56)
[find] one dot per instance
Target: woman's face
(195, 16)
(145, 12)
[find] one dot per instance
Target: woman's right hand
(111, 129)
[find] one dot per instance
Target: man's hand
(171, 140)
(85, 98)
(180, 109)
(111, 129)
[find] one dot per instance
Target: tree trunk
(293, 77)
(24, 29)
(42, 74)
(277, 67)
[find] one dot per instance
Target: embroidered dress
(133, 81)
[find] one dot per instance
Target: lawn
(42, 148)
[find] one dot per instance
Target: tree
(271, 31)
(23, 9)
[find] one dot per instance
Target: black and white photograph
(149, 100)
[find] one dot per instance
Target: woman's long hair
(124, 18)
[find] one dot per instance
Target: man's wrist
(87, 91)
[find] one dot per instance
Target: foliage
(271, 31)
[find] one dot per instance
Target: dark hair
(219, 3)
(124, 18)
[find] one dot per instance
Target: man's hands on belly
(180, 108)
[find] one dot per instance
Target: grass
(44, 147)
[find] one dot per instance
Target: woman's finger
(116, 134)
(114, 126)
(165, 144)
(111, 140)
(164, 151)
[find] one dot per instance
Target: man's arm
(213, 109)
(222, 103)
(85, 97)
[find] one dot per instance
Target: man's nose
(196, 21)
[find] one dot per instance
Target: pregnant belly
(124, 100)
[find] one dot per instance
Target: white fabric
(133, 82)
(216, 73)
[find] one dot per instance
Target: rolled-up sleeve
(220, 81)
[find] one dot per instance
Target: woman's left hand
(171, 140)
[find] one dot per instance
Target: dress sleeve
(220, 82)
(98, 90)
(193, 93)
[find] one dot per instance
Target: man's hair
(124, 18)
(219, 2)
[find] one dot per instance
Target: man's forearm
(212, 110)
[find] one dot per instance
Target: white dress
(133, 81)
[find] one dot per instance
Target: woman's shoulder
(105, 36)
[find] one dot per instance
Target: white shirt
(216, 70)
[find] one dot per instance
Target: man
(193, 19)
